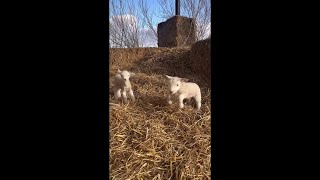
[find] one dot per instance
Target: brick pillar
(176, 31)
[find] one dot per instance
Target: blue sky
(154, 4)
(154, 7)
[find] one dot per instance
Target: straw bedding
(149, 139)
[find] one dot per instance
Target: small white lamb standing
(122, 85)
(184, 90)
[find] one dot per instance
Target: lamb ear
(168, 77)
(119, 71)
(184, 79)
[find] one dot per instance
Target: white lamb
(184, 90)
(122, 85)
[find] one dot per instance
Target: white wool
(184, 90)
(122, 85)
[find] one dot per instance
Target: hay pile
(125, 56)
(148, 138)
(176, 32)
(200, 56)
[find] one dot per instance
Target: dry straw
(148, 138)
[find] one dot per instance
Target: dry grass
(152, 140)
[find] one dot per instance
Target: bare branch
(132, 22)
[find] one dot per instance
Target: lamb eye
(177, 84)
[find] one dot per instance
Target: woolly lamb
(184, 90)
(122, 85)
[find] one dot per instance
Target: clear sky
(154, 7)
